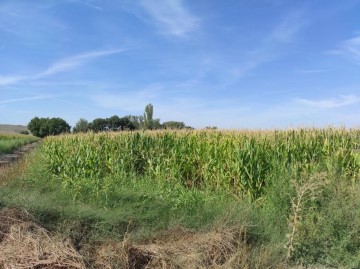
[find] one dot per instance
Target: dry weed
(179, 248)
(23, 244)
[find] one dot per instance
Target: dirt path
(7, 159)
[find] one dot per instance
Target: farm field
(8, 128)
(194, 199)
(10, 142)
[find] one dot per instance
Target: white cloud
(63, 65)
(7, 80)
(288, 29)
(269, 49)
(70, 63)
(343, 100)
(33, 98)
(312, 71)
(171, 16)
(89, 4)
(349, 48)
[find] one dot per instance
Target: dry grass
(16, 166)
(24, 244)
(180, 248)
(11, 171)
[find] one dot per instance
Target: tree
(149, 123)
(126, 124)
(58, 126)
(42, 127)
(81, 126)
(35, 126)
(135, 121)
(173, 125)
(98, 125)
(148, 116)
(114, 123)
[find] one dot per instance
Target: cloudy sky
(231, 64)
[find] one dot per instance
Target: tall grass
(241, 162)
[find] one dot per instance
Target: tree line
(42, 127)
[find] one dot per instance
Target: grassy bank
(306, 211)
(11, 142)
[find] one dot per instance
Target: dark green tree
(135, 121)
(173, 125)
(99, 125)
(36, 126)
(126, 124)
(42, 127)
(58, 126)
(114, 123)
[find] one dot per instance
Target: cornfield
(236, 161)
(10, 142)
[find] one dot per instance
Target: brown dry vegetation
(24, 244)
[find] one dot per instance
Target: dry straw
(24, 244)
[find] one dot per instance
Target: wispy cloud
(63, 65)
(171, 16)
(343, 100)
(284, 32)
(70, 63)
(89, 4)
(290, 26)
(33, 98)
(349, 48)
(7, 80)
(312, 71)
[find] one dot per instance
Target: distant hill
(7, 128)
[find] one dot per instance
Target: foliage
(240, 162)
(42, 127)
(82, 126)
(113, 123)
(173, 125)
(148, 117)
(149, 122)
(98, 125)
(127, 123)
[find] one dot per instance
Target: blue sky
(231, 64)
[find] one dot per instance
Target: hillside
(8, 128)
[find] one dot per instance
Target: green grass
(141, 206)
(11, 142)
